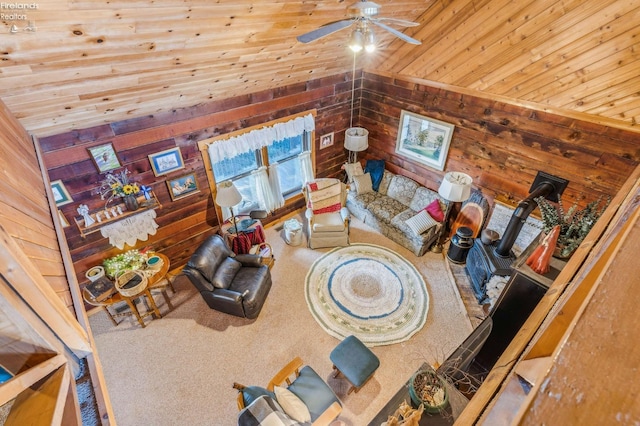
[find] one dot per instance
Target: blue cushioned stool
(355, 361)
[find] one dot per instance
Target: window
(253, 171)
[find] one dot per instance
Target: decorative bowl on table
(154, 262)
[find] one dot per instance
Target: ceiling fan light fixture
(357, 40)
(369, 41)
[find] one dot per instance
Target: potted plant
(574, 223)
(426, 388)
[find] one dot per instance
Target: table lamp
(227, 195)
(455, 188)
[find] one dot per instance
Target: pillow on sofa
(226, 273)
(292, 405)
(435, 210)
(421, 222)
(376, 169)
(353, 170)
(363, 183)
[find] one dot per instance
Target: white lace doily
(131, 229)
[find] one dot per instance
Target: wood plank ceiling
(91, 62)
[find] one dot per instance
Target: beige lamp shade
(455, 187)
(228, 195)
(356, 139)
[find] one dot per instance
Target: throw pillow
(226, 273)
(292, 405)
(435, 210)
(376, 169)
(363, 183)
(251, 393)
(421, 222)
(353, 169)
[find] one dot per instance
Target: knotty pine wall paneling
(186, 222)
(502, 146)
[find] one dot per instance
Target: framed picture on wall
(423, 139)
(326, 140)
(60, 194)
(166, 161)
(183, 186)
(104, 157)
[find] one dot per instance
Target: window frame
(204, 144)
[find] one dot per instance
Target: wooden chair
(314, 392)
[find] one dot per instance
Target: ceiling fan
(363, 15)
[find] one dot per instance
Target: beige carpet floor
(179, 369)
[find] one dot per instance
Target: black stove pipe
(519, 217)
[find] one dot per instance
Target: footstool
(355, 361)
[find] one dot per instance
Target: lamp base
(437, 248)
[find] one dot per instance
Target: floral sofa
(391, 209)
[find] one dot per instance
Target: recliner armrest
(249, 260)
(196, 277)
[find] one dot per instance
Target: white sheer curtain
(274, 183)
(306, 167)
(266, 200)
(259, 138)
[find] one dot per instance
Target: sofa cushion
(422, 198)
(384, 184)
(420, 222)
(363, 183)
(386, 208)
(292, 405)
(399, 223)
(226, 272)
(402, 189)
(376, 169)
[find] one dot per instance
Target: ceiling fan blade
(396, 33)
(397, 22)
(324, 31)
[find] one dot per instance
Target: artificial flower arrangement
(118, 184)
(574, 223)
(127, 261)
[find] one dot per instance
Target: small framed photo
(326, 140)
(167, 161)
(423, 139)
(104, 157)
(183, 186)
(60, 194)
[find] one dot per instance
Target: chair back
(208, 257)
(325, 195)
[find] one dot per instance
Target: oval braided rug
(368, 291)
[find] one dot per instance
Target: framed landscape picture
(183, 186)
(60, 194)
(167, 161)
(104, 157)
(423, 139)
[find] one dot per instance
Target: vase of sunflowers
(120, 185)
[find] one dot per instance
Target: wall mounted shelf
(145, 204)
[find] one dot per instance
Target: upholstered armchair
(236, 285)
(327, 216)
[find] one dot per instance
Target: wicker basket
(131, 283)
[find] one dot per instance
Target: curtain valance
(259, 138)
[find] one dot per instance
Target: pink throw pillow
(435, 210)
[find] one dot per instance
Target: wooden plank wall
(24, 209)
(186, 222)
(502, 146)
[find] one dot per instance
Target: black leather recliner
(237, 285)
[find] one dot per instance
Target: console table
(457, 403)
